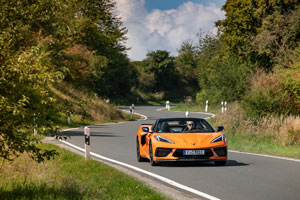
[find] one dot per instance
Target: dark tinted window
(181, 125)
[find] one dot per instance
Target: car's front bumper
(165, 154)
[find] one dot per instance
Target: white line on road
(144, 116)
(264, 155)
(161, 178)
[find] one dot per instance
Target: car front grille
(179, 153)
(162, 152)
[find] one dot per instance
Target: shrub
(226, 81)
(274, 93)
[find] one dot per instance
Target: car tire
(138, 154)
(221, 162)
(152, 162)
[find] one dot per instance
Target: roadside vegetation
(83, 106)
(274, 135)
(68, 176)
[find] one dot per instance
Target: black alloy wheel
(152, 162)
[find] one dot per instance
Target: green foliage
(25, 102)
(278, 93)
(44, 41)
(221, 77)
(186, 63)
(239, 26)
(157, 73)
(163, 66)
(225, 81)
(111, 79)
(261, 31)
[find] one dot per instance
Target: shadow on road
(81, 133)
(230, 163)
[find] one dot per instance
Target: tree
(31, 35)
(186, 63)
(101, 32)
(260, 31)
(37, 43)
(162, 65)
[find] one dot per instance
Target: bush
(226, 81)
(277, 93)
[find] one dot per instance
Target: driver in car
(189, 126)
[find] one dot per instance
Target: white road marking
(265, 155)
(70, 129)
(143, 116)
(161, 178)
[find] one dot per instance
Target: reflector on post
(87, 142)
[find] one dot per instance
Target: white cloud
(164, 30)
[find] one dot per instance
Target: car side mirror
(220, 128)
(145, 129)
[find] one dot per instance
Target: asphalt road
(245, 176)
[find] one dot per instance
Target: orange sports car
(181, 139)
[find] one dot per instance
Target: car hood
(191, 140)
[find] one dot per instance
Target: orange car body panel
(184, 141)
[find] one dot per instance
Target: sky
(166, 24)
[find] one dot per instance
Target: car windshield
(187, 125)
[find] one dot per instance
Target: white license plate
(193, 152)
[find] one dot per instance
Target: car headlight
(219, 139)
(162, 139)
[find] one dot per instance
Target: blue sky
(166, 24)
(173, 4)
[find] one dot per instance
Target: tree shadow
(93, 134)
(43, 191)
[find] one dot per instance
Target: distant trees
(157, 73)
(186, 65)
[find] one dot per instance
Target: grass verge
(271, 135)
(68, 176)
(192, 107)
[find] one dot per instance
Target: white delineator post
(168, 105)
(206, 106)
(132, 109)
(35, 125)
(222, 103)
(130, 112)
(187, 114)
(225, 106)
(87, 142)
(69, 118)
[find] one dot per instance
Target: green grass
(193, 107)
(68, 176)
(262, 145)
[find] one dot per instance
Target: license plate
(193, 152)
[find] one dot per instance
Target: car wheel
(221, 162)
(139, 158)
(152, 162)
